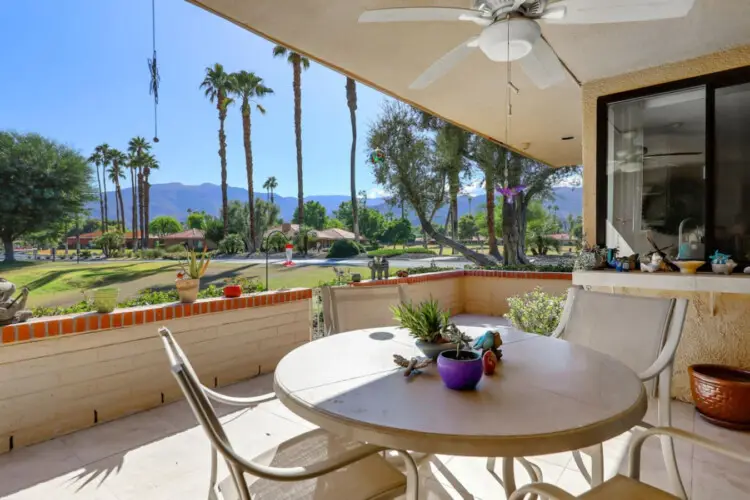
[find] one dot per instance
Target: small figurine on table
(490, 344)
(412, 365)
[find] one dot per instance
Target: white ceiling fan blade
(542, 65)
(616, 11)
(416, 14)
(444, 64)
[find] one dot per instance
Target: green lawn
(61, 284)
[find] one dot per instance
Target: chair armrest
(237, 401)
(567, 308)
(634, 457)
(546, 490)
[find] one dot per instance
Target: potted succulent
(460, 369)
(188, 280)
(428, 324)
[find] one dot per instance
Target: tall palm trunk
(272, 196)
(117, 210)
(453, 187)
(101, 198)
(221, 106)
(134, 193)
(105, 222)
(122, 207)
(146, 202)
(489, 186)
(297, 84)
(246, 124)
(351, 101)
(144, 241)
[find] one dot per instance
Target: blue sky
(76, 71)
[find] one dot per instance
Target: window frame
(711, 82)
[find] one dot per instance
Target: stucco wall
(490, 296)
(722, 338)
(59, 384)
(713, 63)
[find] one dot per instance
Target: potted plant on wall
(188, 280)
(460, 369)
(428, 324)
(232, 288)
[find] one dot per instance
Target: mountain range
(175, 199)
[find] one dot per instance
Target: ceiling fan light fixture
(554, 13)
(523, 34)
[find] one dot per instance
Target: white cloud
(376, 192)
(476, 188)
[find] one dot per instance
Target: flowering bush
(536, 311)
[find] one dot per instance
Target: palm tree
(137, 147)
(102, 153)
(217, 85)
(96, 159)
(351, 101)
(271, 184)
(149, 163)
(247, 86)
(298, 63)
(116, 173)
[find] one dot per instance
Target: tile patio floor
(162, 454)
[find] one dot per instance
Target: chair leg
(509, 477)
(581, 466)
(673, 472)
(412, 476)
(664, 418)
(597, 466)
(491, 464)
(212, 478)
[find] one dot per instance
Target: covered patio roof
(390, 56)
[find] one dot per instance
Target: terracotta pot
(721, 393)
(188, 290)
(461, 374)
(231, 291)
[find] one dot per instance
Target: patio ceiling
(390, 56)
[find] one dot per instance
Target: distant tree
(118, 160)
(100, 157)
(149, 163)
(248, 87)
(214, 229)
(43, 184)
(137, 148)
(298, 63)
(96, 159)
(164, 225)
(333, 223)
(88, 225)
(489, 158)
(408, 169)
(397, 231)
(270, 184)
(371, 221)
(315, 215)
(467, 227)
(111, 240)
(267, 215)
(217, 86)
(196, 220)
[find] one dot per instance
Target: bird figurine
(412, 365)
(490, 341)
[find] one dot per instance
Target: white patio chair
(629, 487)
(347, 308)
(315, 465)
(641, 332)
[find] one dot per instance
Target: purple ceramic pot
(460, 374)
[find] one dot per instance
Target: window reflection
(656, 174)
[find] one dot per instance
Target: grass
(60, 284)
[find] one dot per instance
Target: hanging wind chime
(153, 68)
(508, 192)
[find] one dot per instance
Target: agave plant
(194, 268)
(425, 321)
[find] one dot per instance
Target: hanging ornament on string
(377, 157)
(153, 68)
(506, 190)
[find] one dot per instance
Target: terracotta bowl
(721, 393)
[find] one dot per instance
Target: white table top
(546, 396)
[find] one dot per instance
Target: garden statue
(378, 268)
(12, 310)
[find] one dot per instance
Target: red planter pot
(231, 291)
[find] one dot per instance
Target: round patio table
(546, 396)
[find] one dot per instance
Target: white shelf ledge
(702, 282)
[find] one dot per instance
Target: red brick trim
(481, 273)
(42, 328)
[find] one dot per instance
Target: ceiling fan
(511, 29)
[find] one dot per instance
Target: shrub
(85, 254)
(128, 254)
(393, 252)
(425, 321)
(175, 248)
(232, 244)
(344, 248)
(276, 243)
(536, 311)
(79, 307)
